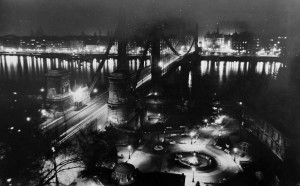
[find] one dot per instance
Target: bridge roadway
(66, 126)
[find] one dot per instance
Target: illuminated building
(277, 46)
(81, 96)
(245, 43)
(214, 40)
(125, 173)
(56, 44)
(76, 44)
(217, 42)
(10, 42)
(59, 94)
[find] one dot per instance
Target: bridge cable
(190, 47)
(104, 58)
(169, 44)
(141, 66)
(177, 44)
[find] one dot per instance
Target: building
(57, 44)
(266, 133)
(277, 46)
(59, 95)
(76, 44)
(217, 42)
(32, 43)
(124, 174)
(81, 96)
(10, 42)
(245, 43)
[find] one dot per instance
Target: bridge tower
(59, 94)
(120, 109)
(155, 101)
(196, 39)
(156, 71)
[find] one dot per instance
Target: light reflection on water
(28, 72)
(228, 68)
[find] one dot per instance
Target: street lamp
(8, 180)
(193, 169)
(28, 119)
(95, 90)
(55, 165)
(241, 118)
(219, 110)
(42, 90)
(129, 147)
(192, 134)
(205, 121)
(160, 64)
(234, 151)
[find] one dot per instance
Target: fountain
(158, 148)
(197, 160)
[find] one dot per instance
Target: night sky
(63, 17)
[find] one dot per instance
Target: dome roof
(124, 168)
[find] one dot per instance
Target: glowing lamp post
(192, 134)
(241, 118)
(193, 169)
(234, 151)
(160, 64)
(54, 164)
(43, 112)
(28, 119)
(205, 121)
(8, 180)
(129, 147)
(95, 91)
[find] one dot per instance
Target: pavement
(148, 161)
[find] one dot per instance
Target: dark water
(200, 83)
(26, 74)
(225, 78)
